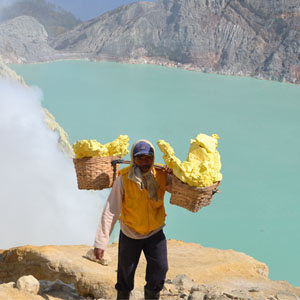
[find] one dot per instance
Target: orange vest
(138, 211)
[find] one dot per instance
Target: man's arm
(110, 215)
(169, 176)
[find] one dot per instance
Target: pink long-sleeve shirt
(111, 214)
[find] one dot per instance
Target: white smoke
(40, 202)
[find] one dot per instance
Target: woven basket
(190, 197)
(95, 173)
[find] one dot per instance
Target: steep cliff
(55, 19)
(24, 40)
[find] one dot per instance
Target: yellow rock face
(203, 164)
(92, 148)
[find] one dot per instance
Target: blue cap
(142, 148)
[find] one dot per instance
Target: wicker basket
(95, 173)
(192, 198)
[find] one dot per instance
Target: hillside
(245, 37)
(253, 38)
(55, 19)
(24, 40)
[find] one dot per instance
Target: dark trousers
(155, 250)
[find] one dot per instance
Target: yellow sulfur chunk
(203, 164)
(92, 148)
(118, 147)
(88, 148)
(210, 143)
(170, 159)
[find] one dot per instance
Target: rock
(136, 295)
(10, 293)
(55, 20)
(58, 289)
(104, 261)
(183, 282)
(96, 286)
(213, 272)
(50, 290)
(56, 286)
(9, 285)
(169, 290)
(6, 72)
(63, 140)
(28, 284)
(66, 263)
(197, 295)
(238, 295)
(23, 39)
(286, 296)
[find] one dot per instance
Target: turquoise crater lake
(257, 210)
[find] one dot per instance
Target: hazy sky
(4, 3)
(84, 9)
(88, 9)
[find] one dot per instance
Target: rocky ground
(195, 272)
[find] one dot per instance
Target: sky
(40, 202)
(84, 9)
(88, 9)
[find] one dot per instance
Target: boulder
(28, 284)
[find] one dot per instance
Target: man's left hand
(168, 170)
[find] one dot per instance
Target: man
(137, 200)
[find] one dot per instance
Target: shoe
(150, 294)
(123, 295)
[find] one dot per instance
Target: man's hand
(99, 253)
(168, 170)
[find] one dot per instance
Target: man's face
(144, 162)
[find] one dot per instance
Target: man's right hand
(99, 253)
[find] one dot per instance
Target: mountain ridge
(55, 19)
(233, 37)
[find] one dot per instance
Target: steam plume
(40, 202)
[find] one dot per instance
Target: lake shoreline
(153, 61)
